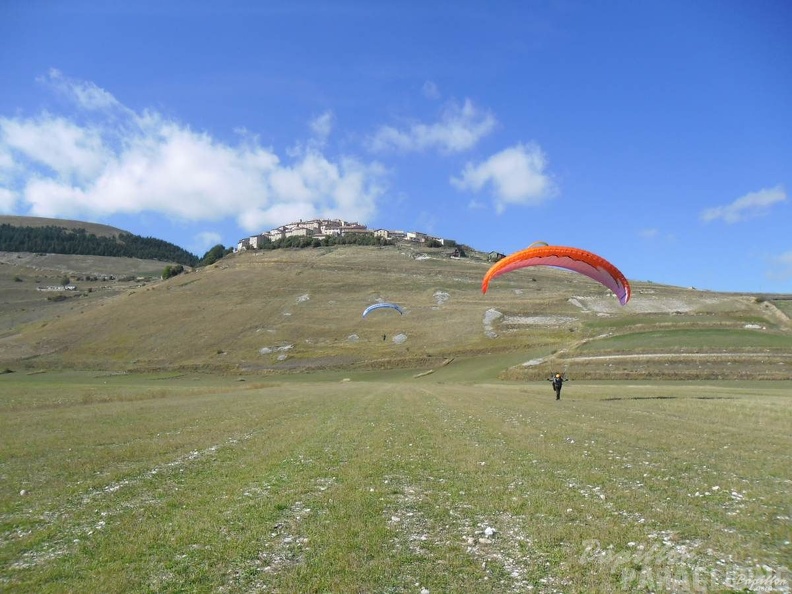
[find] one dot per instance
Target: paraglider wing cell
(371, 308)
(575, 259)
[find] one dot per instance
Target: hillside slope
(96, 228)
(55, 236)
(297, 310)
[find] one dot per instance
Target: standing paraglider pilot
(558, 383)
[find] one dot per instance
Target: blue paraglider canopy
(371, 308)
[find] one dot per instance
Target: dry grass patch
(394, 486)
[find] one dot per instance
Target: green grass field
(387, 483)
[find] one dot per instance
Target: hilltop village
(323, 228)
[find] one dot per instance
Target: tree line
(52, 239)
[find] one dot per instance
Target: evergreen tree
(51, 239)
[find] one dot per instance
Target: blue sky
(656, 134)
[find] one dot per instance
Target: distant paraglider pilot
(558, 383)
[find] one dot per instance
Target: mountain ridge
(32, 234)
(28, 221)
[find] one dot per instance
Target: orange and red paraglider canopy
(571, 258)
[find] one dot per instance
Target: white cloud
(86, 94)
(516, 175)
(206, 240)
(752, 205)
(459, 129)
(70, 151)
(95, 163)
(322, 125)
(6, 158)
(7, 200)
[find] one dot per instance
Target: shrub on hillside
(172, 271)
(214, 254)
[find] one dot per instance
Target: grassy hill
(36, 222)
(52, 236)
(300, 310)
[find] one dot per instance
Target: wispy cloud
(85, 93)
(517, 176)
(781, 267)
(752, 205)
(7, 200)
(322, 125)
(431, 90)
(206, 240)
(653, 234)
(459, 128)
(105, 159)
